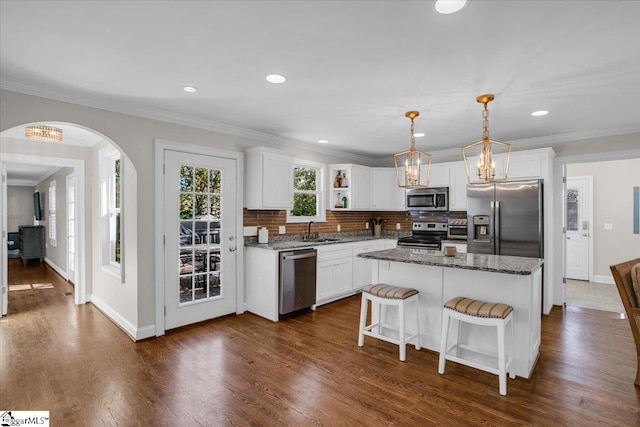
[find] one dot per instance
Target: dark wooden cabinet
(32, 241)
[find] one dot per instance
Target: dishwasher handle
(298, 254)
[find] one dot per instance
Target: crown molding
(74, 97)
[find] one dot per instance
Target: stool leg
(415, 303)
(512, 370)
(401, 333)
(502, 374)
(363, 319)
(443, 340)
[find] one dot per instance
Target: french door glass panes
(199, 234)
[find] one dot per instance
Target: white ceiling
(353, 67)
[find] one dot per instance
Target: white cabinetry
(362, 267)
(383, 186)
(334, 272)
(439, 175)
(457, 187)
(269, 179)
(357, 190)
(261, 277)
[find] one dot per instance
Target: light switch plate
(338, 227)
(608, 226)
(397, 226)
(282, 229)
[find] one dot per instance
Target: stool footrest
(481, 360)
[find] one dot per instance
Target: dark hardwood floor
(308, 370)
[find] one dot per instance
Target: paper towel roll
(263, 235)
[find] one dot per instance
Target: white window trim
(320, 191)
(53, 217)
(107, 157)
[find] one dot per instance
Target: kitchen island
(494, 278)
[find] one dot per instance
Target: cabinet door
(343, 276)
(277, 181)
(524, 165)
(383, 185)
(360, 187)
(439, 175)
(458, 187)
(324, 280)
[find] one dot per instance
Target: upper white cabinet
(383, 185)
(439, 175)
(457, 187)
(269, 179)
(351, 186)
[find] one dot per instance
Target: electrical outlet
(338, 227)
(608, 226)
(397, 226)
(250, 231)
(282, 229)
(366, 225)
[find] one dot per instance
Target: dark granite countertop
(481, 262)
(294, 241)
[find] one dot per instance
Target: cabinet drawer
(334, 251)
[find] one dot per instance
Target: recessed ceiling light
(418, 135)
(190, 89)
(276, 78)
(449, 6)
(323, 141)
(539, 113)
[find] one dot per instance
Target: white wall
(613, 183)
(19, 207)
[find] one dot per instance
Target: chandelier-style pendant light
(487, 152)
(411, 164)
(44, 133)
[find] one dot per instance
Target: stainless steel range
(426, 235)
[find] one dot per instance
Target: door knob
(232, 248)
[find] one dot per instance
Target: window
(111, 205)
(52, 213)
(308, 194)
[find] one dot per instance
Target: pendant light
(413, 167)
(487, 152)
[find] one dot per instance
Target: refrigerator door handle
(492, 235)
(497, 227)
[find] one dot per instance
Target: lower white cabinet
(334, 272)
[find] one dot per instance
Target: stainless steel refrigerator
(505, 218)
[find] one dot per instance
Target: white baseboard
(56, 268)
(133, 332)
(604, 279)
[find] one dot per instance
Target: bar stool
(385, 296)
(479, 313)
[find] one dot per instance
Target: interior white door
(578, 225)
(71, 228)
(200, 242)
(4, 286)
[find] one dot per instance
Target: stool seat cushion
(387, 291)
(478, 308)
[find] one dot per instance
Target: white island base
(436, 285)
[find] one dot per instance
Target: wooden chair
(622, 276)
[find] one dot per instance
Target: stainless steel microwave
(428, 199)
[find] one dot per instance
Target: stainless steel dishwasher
(297, 280)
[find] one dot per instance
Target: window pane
(186, 233)
(304, 178)
(117, 243)
(304, 205)
(202, 180)
(186, 178)
(215, 207)
(214, 181)
(117, 183)
(186, 206)
(572, 209)
(201, 208)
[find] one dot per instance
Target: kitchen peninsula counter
(494, 278)
(481, 262)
